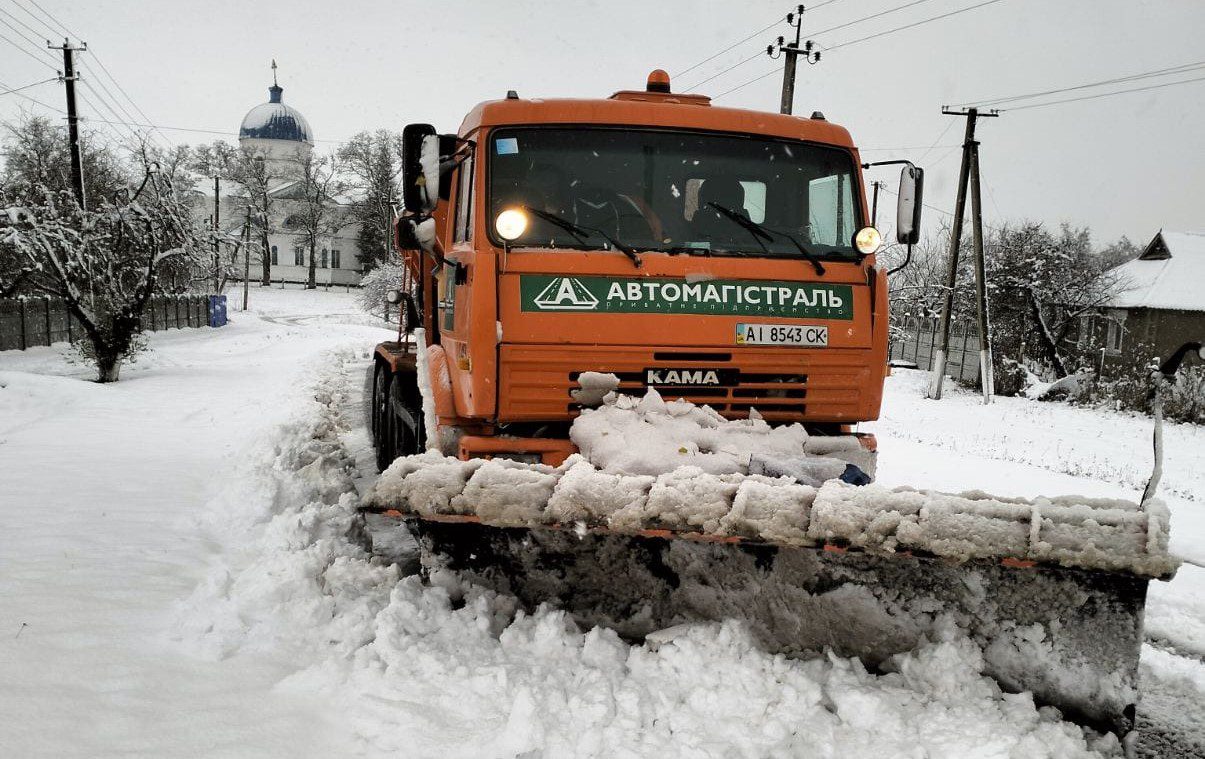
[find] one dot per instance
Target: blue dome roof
(274, 120)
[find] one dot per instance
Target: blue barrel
(217, 310)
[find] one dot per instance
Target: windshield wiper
(761, 232)
(577, 230)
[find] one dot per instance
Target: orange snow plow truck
(720, 255)
(558, 250)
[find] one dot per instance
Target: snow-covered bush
(376, 284)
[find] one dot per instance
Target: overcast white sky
(1128, 164)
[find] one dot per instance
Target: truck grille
(820, 386)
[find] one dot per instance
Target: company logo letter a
(566, 294)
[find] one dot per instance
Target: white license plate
(781, 334)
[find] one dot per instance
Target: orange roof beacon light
(658, 81)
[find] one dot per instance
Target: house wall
(1147, 332)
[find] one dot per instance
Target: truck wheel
(405, 415)
(380, 396)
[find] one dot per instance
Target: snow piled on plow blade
(1069, 531)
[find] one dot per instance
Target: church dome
(274, 120)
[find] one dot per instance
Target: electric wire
(764, 29)
(17, 90)
(60, 24)
(1183, 68)
(738, 43)
(104, 69)
(37, 44)
(122, 90)
(23, 50)
(36, 19)
(864, 39)
(1104, 94)
(910, 26)
(721, 72)
(99, 100)
(867, 18)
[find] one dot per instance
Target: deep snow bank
(449, 669)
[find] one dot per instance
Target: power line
(113, 101)
(1105, 94)
(95, 57)
(738, 43)
(763, 30)
(222, 132)
(18, 89)
(864, 39)
(910, 26)
(37, 20)
(811, 34)
(868, 18)
(60, 24)
(1183, 68)
(123, 92)
(96, 108)
(37, 43)
(23, 50)
(721, 72)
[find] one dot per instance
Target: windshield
(653, 190)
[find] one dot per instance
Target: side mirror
(908, 209)
(420, 168)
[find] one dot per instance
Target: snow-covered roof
(1170, 274)
(274, 120)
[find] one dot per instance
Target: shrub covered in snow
(376, 284)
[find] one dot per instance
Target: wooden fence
(26, 322)
(919, 341)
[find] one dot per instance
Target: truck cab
(720, 255)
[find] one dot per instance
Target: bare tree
(255, 181)
(104, 262)
(318, 212)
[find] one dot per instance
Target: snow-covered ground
(176, 580)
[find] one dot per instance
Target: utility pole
(968, 173)
(874, 203)
(217, 245)
(69, 78)
(791, 51)
(246, 257)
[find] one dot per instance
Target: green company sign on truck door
(734, 297)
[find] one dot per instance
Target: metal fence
(919, 342)
(26, 322)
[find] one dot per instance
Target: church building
(282, 137)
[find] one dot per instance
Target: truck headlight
(511, 224)
(867, 240)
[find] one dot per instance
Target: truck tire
(379, 401)
(400, 428)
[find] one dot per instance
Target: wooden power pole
(967, 174)
(790, 52)
(69, 78)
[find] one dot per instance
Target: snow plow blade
(1058, 619)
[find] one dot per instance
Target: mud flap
(1071, 637)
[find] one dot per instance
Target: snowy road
(174, 581)
(96, 484)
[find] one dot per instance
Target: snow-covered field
(176, 579)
